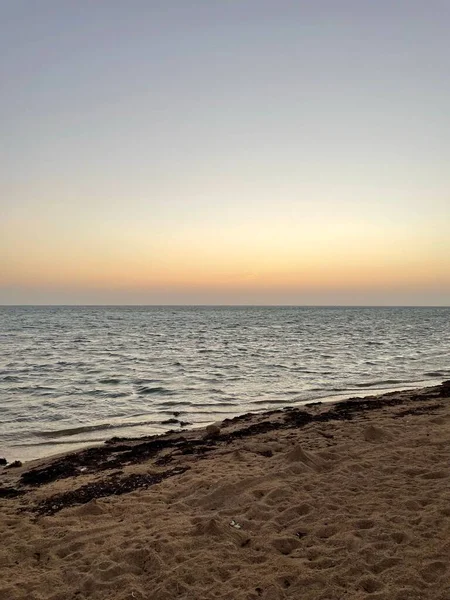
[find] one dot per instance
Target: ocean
(71, 376)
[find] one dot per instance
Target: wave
(95, 392)
(175, 403)
(116, 395)
(381, 382)
(36, 390)
(12, 378)
(144, 390)
(110, 380)
(73, 430)
(88, 428)
(443, 373)
(218, 404)
(59, 442)
(286, 402)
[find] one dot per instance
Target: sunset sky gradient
(225, 152)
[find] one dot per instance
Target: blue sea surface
(71, 376)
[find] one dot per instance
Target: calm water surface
(76, 375)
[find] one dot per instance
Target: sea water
(71, 376)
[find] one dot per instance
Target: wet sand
(349, 500)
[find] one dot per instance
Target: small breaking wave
(443, 373)
(175, 403)
(381, 382)
(89, 428)
(284, 401)
(72, 431)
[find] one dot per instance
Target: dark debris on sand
(113, 486)
(418, 410)
(121, 452)
(10, 492)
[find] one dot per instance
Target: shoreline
(321, 500)
(35, 451)
(324, 407)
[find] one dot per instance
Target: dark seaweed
(118, 453)
(112, 486)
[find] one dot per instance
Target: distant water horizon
(196, 305)
(72, 375)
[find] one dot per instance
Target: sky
(225, 152)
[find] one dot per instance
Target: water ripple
(71, 372)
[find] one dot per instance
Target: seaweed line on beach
(118, 453)
(114, 486)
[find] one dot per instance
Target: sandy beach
(349, 500)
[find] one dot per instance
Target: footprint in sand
(365, 524)
(433, 571)
(399, 537)
(385, 564)
(370, 584)
(285, 545)
(376, 435)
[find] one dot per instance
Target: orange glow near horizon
(237, 260)
(305, 256)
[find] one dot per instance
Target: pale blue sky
(199, 151)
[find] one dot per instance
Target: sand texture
(343, 501)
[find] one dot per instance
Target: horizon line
(226, 305)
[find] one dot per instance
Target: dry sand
(346, 501)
